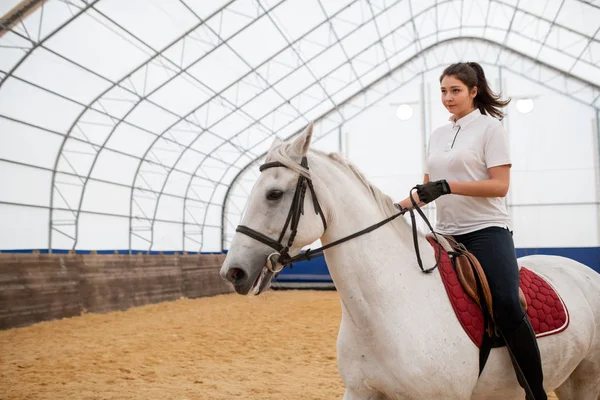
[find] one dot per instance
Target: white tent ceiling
(130, 120)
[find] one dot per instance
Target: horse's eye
(274, 195)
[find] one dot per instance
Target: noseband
(277, 261)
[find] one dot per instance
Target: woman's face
(456, 96)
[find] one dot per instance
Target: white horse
(399, 337)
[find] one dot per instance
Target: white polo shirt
(463, 151)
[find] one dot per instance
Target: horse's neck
(377, 269)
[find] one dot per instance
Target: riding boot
(525, 356)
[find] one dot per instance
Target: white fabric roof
(124, 123)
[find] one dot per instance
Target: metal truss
(320, 74)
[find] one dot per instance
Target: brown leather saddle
(473, 280)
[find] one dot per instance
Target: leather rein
(279, 260)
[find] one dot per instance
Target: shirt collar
(467, 119)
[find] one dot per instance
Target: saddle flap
(469, 272)
(466, 277)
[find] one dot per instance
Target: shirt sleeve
(496, 148)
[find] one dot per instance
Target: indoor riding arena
(132, 135)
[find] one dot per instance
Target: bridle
(281, 258)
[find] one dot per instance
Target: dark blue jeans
(495, 250)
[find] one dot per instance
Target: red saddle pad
(546, 310)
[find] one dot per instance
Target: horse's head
(280, 217)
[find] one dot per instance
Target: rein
(282, 256)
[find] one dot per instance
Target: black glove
(432, 190)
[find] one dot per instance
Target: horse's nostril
(236, 274)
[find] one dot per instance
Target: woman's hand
(430, 191)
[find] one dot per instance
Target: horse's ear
(301, 144)
(276, 142)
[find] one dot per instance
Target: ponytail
(471, 74)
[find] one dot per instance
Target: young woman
(467, 174)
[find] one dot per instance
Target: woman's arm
(496, 186)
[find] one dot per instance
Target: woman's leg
(494, 248)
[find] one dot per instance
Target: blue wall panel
(316, 270)
(589, 256)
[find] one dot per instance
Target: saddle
(472, 279)
(469, 294)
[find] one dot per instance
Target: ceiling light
(525, 106)
(404, 112)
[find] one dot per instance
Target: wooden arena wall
(41, 287)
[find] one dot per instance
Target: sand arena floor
(280, 345)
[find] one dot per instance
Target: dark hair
(471, 74)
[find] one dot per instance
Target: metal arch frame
(184, 224)
(41, 42)
(145, 98)
(589, 3)
(121, 120)
(512, 19)
(302, 61)
(253, 70)
(88, 177)
(415, 75)
(338, 41)
(10, 74)
(178, 119)
(269, 85)
(235, 108)
(79, 176)
(309, 85)
(552, 23)
(387, 60)
(115, 84)
(584, 49)
(85, 7)
(417, 40)
(86, 107)
(170, 169)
